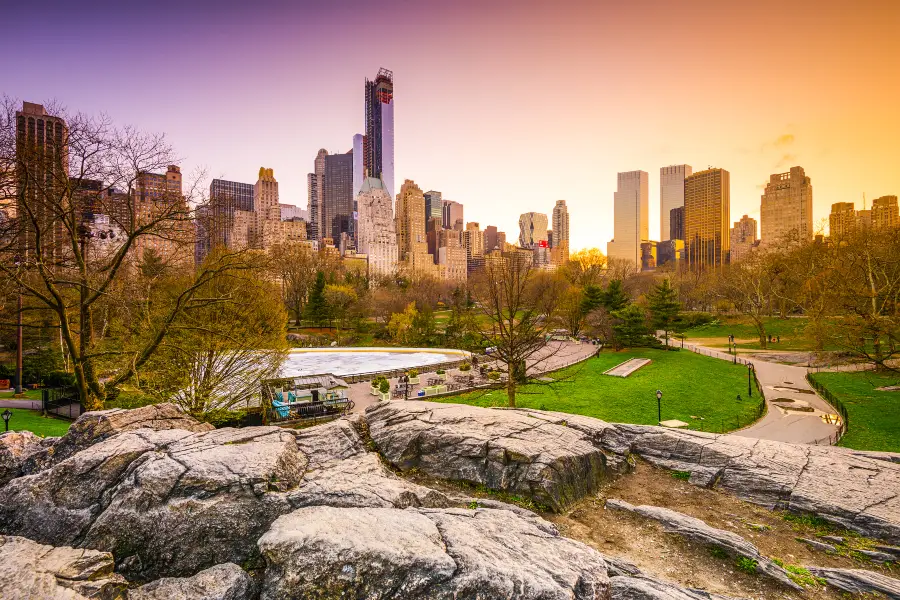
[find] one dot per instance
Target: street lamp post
(750, 379)
(6, 415)
(734, 347)
(19, 336)
(659, 406)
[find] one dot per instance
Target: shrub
(440, 372)
(413, 372)
(494, 375)
(682, 475)
(465, 367)
(747, 565)
(384, 387)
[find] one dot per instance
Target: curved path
(780, 424)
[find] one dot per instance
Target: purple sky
(505, 109)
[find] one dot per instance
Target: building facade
(885, 213)
(532, 230)
(707, 207)
(671, 196)
(412, 241)
(377, 236)
(453, 214)
(630, 216)
(434, 205)
(156, 195)
(786, 209)
(561, 232)
(337, 196)
(670, 252)
(676, 223)
(743, 239)
(842, 221)
(378, 142)
(316, 186)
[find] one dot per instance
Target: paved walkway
(555, 355)
(780, 424)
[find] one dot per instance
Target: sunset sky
(505, 106)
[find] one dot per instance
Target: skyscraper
(743, 239)
(532, 230)
(561, 230)
(378, 144)
(493, 239)
(412, 242)
(376, 236)
(337, 196)
(630, 216)
(676, 223)
(316, 181)
(885, 213)
(434, 205)
(359, 163)
(842, 221)
(785, 210)
(671, 196)
(707, 207)
(453, 213)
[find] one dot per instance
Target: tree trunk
(511, 385)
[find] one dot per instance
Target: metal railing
(61, 402)
(834, 401)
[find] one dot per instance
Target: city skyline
(837, 122)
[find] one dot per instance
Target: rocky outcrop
(777, 475)
(698, 531)
(222, 582)
(859, 581)
(164, 502)
(323, 552)
(16, 447)
(29, 570)
(647, 588)
(503, 450)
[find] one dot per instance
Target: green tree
(615, 298)
(664, 307)
(340, 298)
(401, 324)
(317, 306)
(424, 327)
(593, 298)
(631, 329)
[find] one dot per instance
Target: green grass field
(692, 386)
(792, 331)
(31, 420)
(874, 416)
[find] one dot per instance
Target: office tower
(337, 196)
(785, 212)
(376, 236)
(359, 163)
(412, 243)
(671, 196)
(707, 206)
(885, 213)
(157, 194)
(41, 175)
(474, 241)
(743, 239)
(549, 238)
(532, 230)
(434, 206)
(670, 252)
(648, 255)
(630, 216)
(493, 239)
(316, 181)
(864, 218)
(453, 213)
(676, 223)
(225, 197)
(451, 255)
(842, 220)
(561, 231)
(378, 144)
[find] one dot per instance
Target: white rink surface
(343, 361)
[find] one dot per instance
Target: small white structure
(628, 367)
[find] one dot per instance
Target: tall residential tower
(671, 195)
(630, 216)
(785, 211)
(378, 143)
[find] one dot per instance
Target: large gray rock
(164, 502)
(698, 531)
(778, 475)
(29, 570)
(510, 451)
(221, 582)
(324, 552)
(96, 426)
(16, 447)
(859, 581)
(646, 588)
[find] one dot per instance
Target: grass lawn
(692, 385)
(792, 331)
(874, 416)
(31, 420)
(29, 395)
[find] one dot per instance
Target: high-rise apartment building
(630, 216)
(41, 175)
(707, 207)
(532, 230)
(376, 236)
(262, 227)
(453, 214)
(378, 143)
(561, 231)
(676, 223)
(670, 252)
(451, 255)
(155, 195)
(743, 239)
(289, 212)
(337, 196)
(885, 213)
(671, 196)
(493, 239)
(412, 241)
(359, 162)
(474, 241)
(225, 197)
(316, 182)
(434, 205)
(786, 209)
(842, 221)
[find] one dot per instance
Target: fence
(838, 406)
(62, 402)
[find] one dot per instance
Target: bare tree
(748, 286)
